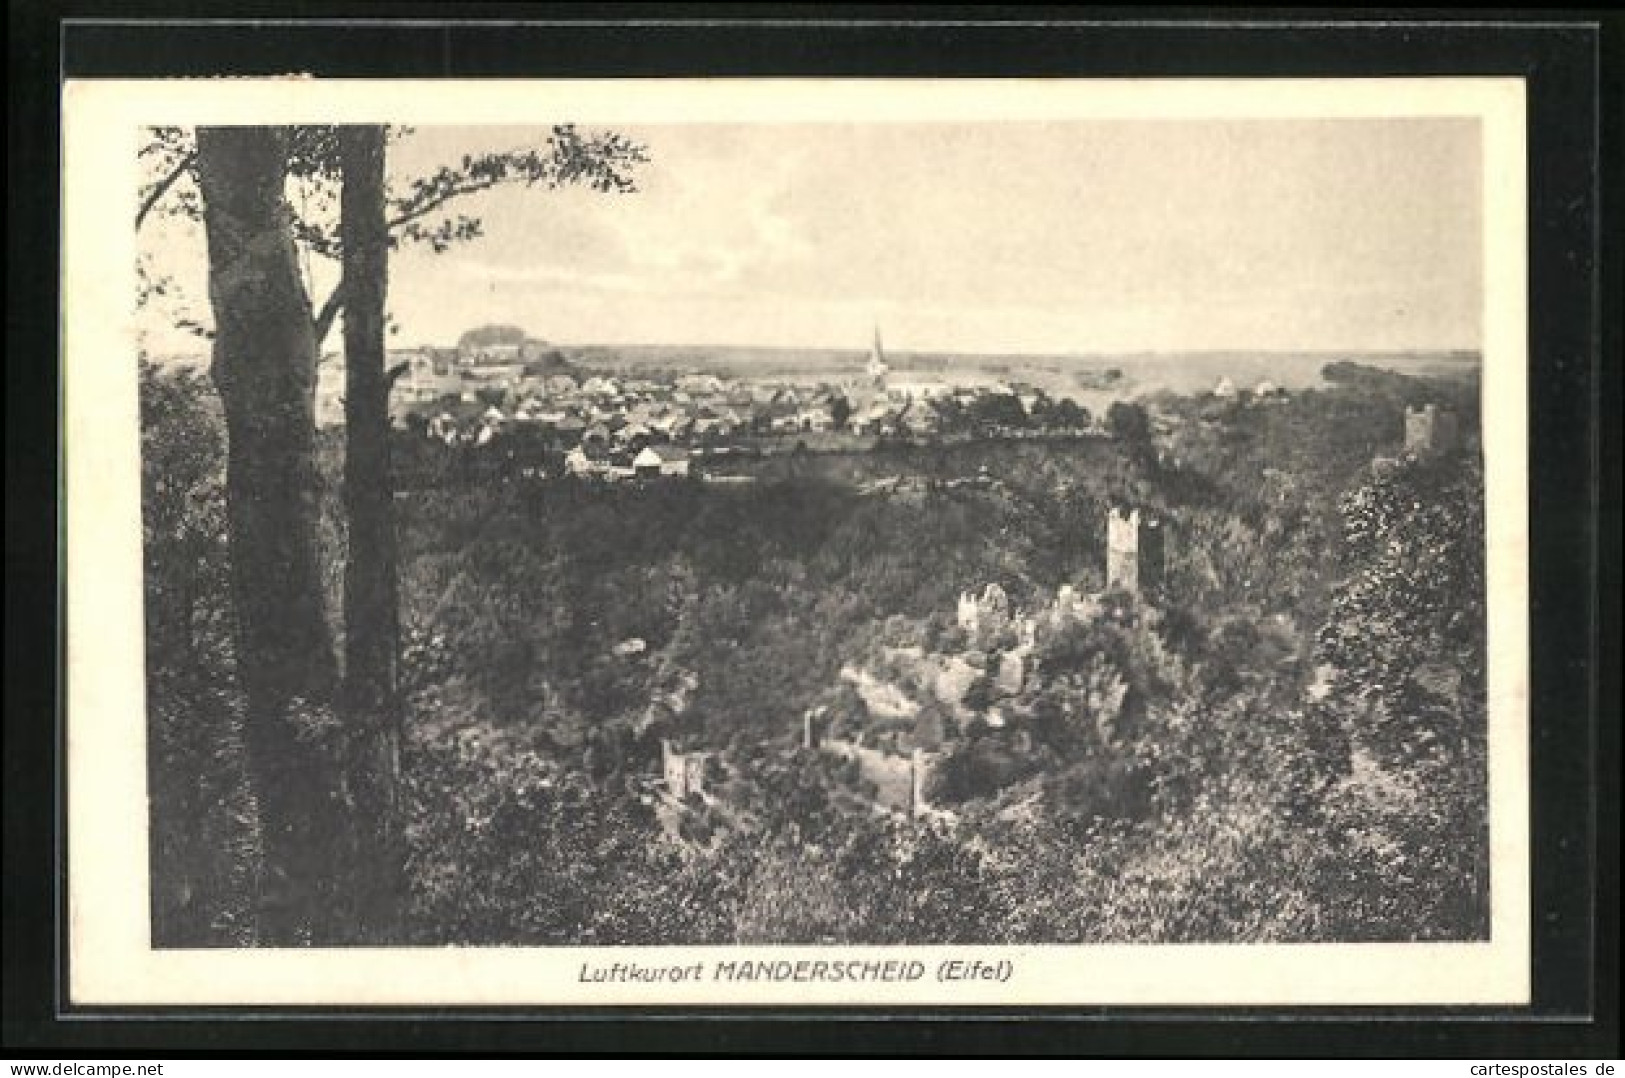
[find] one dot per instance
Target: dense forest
(1282, 740)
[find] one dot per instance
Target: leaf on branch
(313, 154)
(167, 159)
(603, 162)
(441, 236)
(317, 238)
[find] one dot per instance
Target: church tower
(1134, 551)
(877, 360)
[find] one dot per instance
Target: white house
(578, 463)
(443, 427)
(700, 383)
(661, 460)
(632, 432)
(917, 387)
(815, 418)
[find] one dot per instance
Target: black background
(1572, 63)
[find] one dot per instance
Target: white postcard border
(111, 959)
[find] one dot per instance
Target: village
(655, 424)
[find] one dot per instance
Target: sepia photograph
(975, 542)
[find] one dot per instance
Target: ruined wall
(968, 613)
(682, 772)
(899, 781)
(1134, 551)
(989, 610)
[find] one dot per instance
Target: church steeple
(877, 358)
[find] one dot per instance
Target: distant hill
(543, 359)
(492, 335)
(499, 344)
(1419, 383)
(1184, 371)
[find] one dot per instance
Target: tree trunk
(371, 610)
(265, 367)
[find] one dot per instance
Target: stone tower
(969, 614)
(916, 782)
(813, 724)
(1430, 431)
(1134, 551)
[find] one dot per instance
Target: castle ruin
(1134, 551)
(684, 772)
(1430, 431)
(899, 780)
(991, 609)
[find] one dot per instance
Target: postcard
(801, 542)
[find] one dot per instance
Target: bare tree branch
(162, 188)
(329, 313)
(435, 203)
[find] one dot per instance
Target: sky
(1066, 237)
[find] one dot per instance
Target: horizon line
(1283, 353)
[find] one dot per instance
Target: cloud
(1089, 235)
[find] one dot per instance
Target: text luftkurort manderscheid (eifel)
(799, 971)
